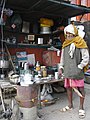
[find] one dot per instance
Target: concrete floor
(52, 112)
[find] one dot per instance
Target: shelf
(38, 34)
(22, 45)
(19, 32)
(14, 31)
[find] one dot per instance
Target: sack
(45, 93)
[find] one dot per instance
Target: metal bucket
(27, 96)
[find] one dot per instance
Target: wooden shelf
(22, 45)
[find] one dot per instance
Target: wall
(33, 50)
(37, 51)
(86, 17)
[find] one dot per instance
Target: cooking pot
(45, 30)
(4, 64)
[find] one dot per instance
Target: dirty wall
(85, 17)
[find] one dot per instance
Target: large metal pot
(4, 64)
(45, 30)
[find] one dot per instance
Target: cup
(56, 75)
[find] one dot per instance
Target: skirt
(73, 83)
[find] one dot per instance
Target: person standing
(74, 62)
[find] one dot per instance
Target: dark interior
(31, 10)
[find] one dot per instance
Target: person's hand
(60, 72)
(80, 67)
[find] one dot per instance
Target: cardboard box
(50, 58)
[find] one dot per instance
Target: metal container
(26, 66)
(27, 96)
(45, 30)
(4, 64)
(29, 113)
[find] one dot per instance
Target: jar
(44, 71)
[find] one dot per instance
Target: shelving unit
(30, 46)
(20, 37)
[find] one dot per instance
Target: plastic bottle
(37, 66)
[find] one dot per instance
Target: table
(5, 84)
